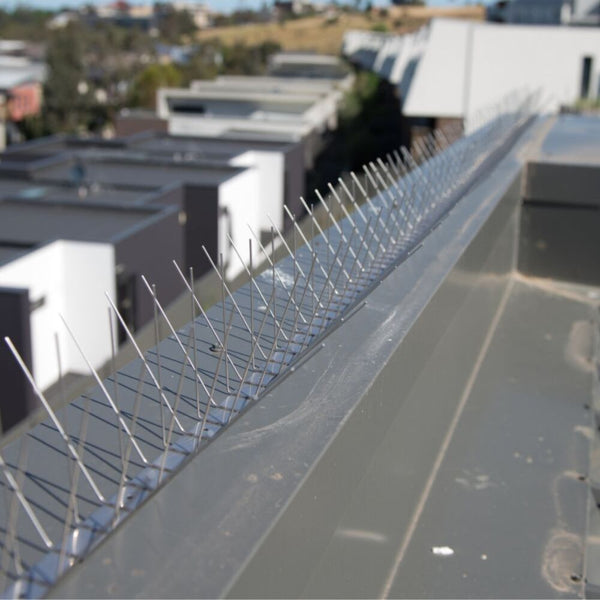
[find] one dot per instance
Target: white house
(463, 67)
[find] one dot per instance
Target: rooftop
(574, 140)
(381, 414)
(26, 222)
(19, 189)
(140, 172)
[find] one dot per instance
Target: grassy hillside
(325, 36)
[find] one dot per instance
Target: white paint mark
(474, 481)
(484, 557)
(362, 535)
(442, 551)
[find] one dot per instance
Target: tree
(145, 85)
(173, 24)
(65, 98)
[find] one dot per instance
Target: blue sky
(220, 5)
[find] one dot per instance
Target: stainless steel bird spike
(401, 196)
(162, 395)
(295, 326)
(72, 465)
(158, 368)
(392, 202)
(226, 288)
(253, 283)
(383, 240)
(119, 500)
(163, 460)
(348, 216)
(16, 489)
(108, 397)
(177, 338)
(221, 269)
(275, 346)
(316, 224)
(195, 346)
(114, 372)
(10, 543)
(54, 419)
(297, 266)
(304, 238)
(206, 319)
(250, 360)
(274, 274)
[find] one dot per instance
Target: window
(586, 77)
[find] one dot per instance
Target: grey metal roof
(573, 139)
(161, 142)
(18, 189)
(35, 222)
(143, 173)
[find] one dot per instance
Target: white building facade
(461, 68)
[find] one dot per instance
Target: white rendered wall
(89, 272)
(529, 57)
(197, 125)
(437, 88)
(270, 167)
(71, 277)
(469, 67)
(239, 197)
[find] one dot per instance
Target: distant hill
(324, 34)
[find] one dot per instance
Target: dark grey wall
(201, 204)
(552, 182)
(149, 251)
(560, 241)
(17, 399)
(560, 220)
(295, 178)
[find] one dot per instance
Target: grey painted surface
(563, 183)
(33, 222)
(560, 242)
(229, 508)
(561, 211)
(573, 139)
(355, 506)
(507, 498)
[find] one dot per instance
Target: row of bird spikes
(205, 374)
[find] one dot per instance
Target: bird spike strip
(99, 457)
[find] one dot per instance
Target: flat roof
(208, 146)
(574, 139)
(16, 72)
(35, 190)
(32, 223)
(143, 174)
(270, 84)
